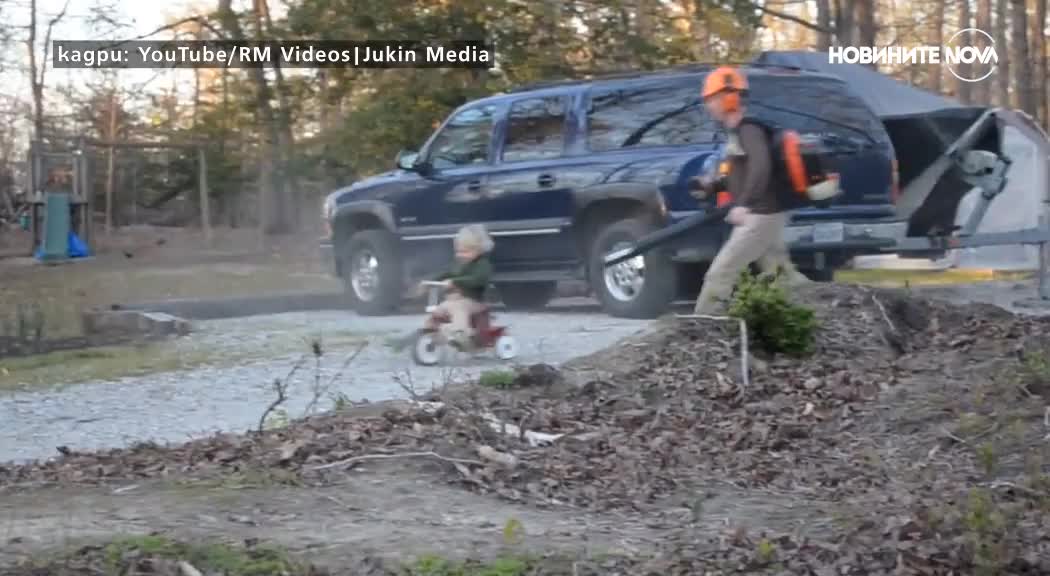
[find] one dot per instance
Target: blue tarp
(75, 249)
(886, 96)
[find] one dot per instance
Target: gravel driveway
(176, 406)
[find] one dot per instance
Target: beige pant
(459, 310)
(760, 238)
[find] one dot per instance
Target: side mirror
(406, 160)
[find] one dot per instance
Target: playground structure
(58, 181)
(62, 178)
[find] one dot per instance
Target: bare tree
(963, 88)
(866, 29)
(1040, 62)
(982, 91)
(286, 139)
(38, 69)
(270, 220)
(1019, 56)
(1001, 29)
(937, 39)
(824, 36)
(845, 28)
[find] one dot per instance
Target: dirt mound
(913, 439)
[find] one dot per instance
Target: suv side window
(535, 129)
(668, 113)
(464, 140)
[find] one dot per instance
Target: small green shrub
(497, 379)
(774, 323)
(437, 566)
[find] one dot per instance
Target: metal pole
(135, 190)
(88, 191)
(202, 160)
(1044, 256)
(112, 153)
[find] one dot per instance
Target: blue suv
(564, 173)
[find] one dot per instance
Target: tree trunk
(695, 31)
(37, 88)
(1001, 29)
(937, 39)
(270, 220)
(1019, 57)
(982, 91)
(643, 20)
(1039, 62)
(845, 24)
(824, 21)
(866, 30)
(962, 88)
(288, 179)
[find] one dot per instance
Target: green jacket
(471, 278)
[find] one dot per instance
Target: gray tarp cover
(886, 96)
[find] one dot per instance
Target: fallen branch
(885, 316)
(502, 458)
(533, 438)
(1011, 486)
(187, 569)
(745, 370)
(366, 457)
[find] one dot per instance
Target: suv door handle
(474, 186)
(545, 180)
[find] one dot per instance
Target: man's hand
(737, 215)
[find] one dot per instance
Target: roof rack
(584, 76)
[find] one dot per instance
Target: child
(467, 283)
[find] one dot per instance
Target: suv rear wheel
(642, 287)
(527, 295)
(372, 272)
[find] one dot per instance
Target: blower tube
(647, 243)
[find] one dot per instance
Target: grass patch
(900, 278)
(69, 367)
(244, 479)
(437, 566)
(162, 554)
(208, 558)
(62, 292)
(103, 363)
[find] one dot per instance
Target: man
(758, 218)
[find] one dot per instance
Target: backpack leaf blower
(647, 243)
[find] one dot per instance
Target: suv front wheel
(642, 287)
(372, 272)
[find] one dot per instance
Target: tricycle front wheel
(427, 350)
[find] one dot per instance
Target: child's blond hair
(474, 237)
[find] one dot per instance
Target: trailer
(973, 165)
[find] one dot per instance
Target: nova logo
(982, 62)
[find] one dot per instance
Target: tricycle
(432, 345)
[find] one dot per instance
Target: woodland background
(291, 136)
